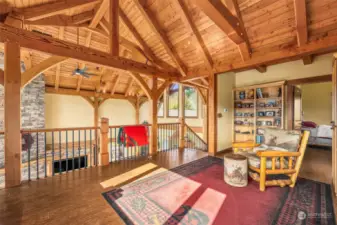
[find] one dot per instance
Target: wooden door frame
(290, 94)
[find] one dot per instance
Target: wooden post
(263, 173)
(212, 119)
(137, 111)
(114, 30)
(12, 114)
(181, 118)
(153, 118)
(104, 141)
(205, 122)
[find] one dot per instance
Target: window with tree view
(173, 100)
(161, 106)
(191, 102)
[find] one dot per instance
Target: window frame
(192, 117)
(168, 102)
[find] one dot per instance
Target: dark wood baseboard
(224, 151)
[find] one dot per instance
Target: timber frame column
(12, 120)
(153, 117)
(137, 110)
(212, 119)
(181, 117)
(104, 141)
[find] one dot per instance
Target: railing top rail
(190, 129)
(168, 123)
(119, 126)
(57, 129)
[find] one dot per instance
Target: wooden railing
(193, 140)
(49, 152)
(119, 151)
(168, 136)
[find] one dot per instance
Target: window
(191, 102)
(161, 106)
(173, 100)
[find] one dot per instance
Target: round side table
(236, 170)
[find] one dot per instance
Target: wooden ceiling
(193, 38)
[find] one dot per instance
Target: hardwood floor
(75, 198)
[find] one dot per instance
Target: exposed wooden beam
(54, 8)
(114, 86)
(193, 29)
(63, 20)
(102, 9)
(141, 82)
(162, 88)
(195, 75)
(156, 28)
(123, 41)
(65, 91)
(193, 83)
(58, 67)
(261, 69)
(30, 74)
(223, 18)
(204, 81)
(114, 27)
(143, 44)
(324, 45)
(2, 77)
(301, 21)
(88, 99)
(244, 48)
(308, 59)
(42, 43)
(128, 89)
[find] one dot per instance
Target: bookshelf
(256, 108)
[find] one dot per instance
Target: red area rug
(196, 194)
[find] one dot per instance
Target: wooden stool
(236, 170)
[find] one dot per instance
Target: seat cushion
(255, 161)
(285, 139)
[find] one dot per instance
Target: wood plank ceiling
(186, 36)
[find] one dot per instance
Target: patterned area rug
(196, 194)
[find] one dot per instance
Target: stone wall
(32, 116)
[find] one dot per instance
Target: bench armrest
(277, 154)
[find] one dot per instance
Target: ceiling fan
(83, 72)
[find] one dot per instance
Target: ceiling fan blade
(85, 75)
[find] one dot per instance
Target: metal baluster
(90, 148)
(37, 155)
(67, 151)
(60, 155)
(115, 144)
(110, 142)
(79, 149)
(45, 154)
(73, 149)
(52, 151)
(29, 163)
(85, 149)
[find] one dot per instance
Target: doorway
(311, 109)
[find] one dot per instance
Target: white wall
(67, 111)
(119, 112)
(74, 111)
(322, 65)
(226, 82)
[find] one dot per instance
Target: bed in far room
(320, 135)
